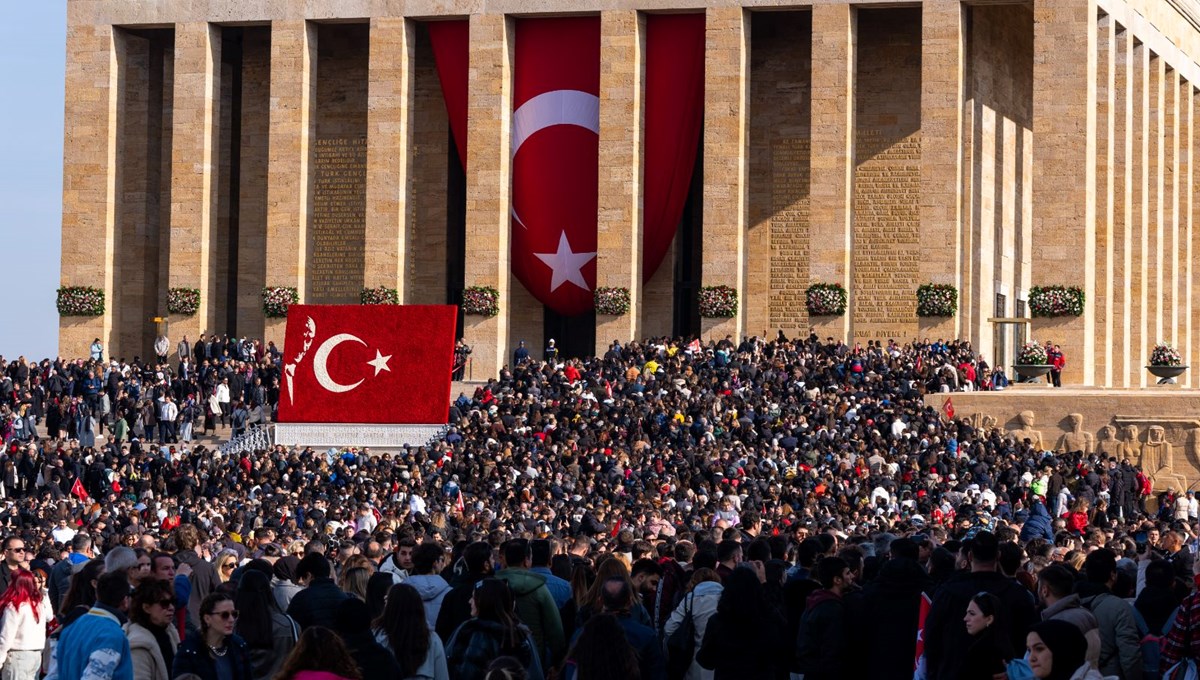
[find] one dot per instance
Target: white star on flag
(567, 266)
(380, 362)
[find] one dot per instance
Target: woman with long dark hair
(602, 652)
(216, 652)
(991, 643)
(152, 638)
(26, 610)
(402, 630)
(269, 633)
(492, 631)
(319, 654)
(377, 590)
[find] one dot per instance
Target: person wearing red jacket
(1077, 518)
(1057, 363)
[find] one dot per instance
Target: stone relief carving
(1026, 430)
(1077, 439)
(1109, 446)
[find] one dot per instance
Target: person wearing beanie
(1057, 651)
(352, 622)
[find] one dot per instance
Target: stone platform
(1158, 428)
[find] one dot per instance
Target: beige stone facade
(990, 146)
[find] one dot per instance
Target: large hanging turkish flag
(367, 364)
(555, 141)
(555, 146)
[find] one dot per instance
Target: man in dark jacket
(14, 552)
(320, 595)
(1120, 639)
(204, 576)
(474, 566)
(821, 643)
(887, 612)
(945, 635)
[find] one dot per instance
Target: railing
(257, 438)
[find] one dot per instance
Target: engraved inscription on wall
(789, 232)
(335, 262)
(887, 234)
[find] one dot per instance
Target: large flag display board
(367, 364)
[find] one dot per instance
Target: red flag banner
(674, 113)
(948, 409)
(921, 616)
(451, 53)
(367, 364)
(78, 491)
(555, 156)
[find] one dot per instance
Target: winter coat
(20, 632)
(535, 609)
(821, 645)
(734, 650)
(432, 589)
(477, 643)
(374, 661)
(193, 657)
(703, 603)
(204, 581)
(283, 590)
(886, 613)
(1120, 641)
(316, 602)
(985, 656)
(1070, 610)
(1039, 524)
(456, 605)
(266, 662)
(946, 637)
(148, 663)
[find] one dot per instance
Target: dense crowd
(773, 508)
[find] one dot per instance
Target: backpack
(681, 645)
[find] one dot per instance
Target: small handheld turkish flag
(367, 364)
(78, 491)
(948, 409)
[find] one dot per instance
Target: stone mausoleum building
(233, 145)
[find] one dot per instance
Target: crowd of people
(772, 508)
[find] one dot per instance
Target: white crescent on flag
(322, 356)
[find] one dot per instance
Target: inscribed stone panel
(338, 222)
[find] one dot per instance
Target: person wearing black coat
(320, 595)
(474, 566)
(887, 615)
(945, 635)
(743, 639)
(352, 622)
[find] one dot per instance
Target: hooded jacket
(535, 608)
(1120, 641)
(148, 662)
(1039, 524)
(821, 644)
(456, 605)
(432, 589)
(1070, 610)
(702, 602)
(477, 643)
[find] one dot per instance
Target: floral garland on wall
(184, 301)
(611, 301)
(1032, 354)
(1051, 301)
(937, 299)
(825, 299)
(481, 301)
(380, 296)
(80, 301)
(718, 302)
(1165, 355)
(277, 299)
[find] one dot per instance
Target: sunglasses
(229, 614)
(166, 604)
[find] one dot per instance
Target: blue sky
(32, 54)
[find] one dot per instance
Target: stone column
(1106, 103)
(1170, 244)
(726, 118)
(89, 180)
(942, 76)
(831, 215)
(1064, 125)
(1122, 234)
(489, 132)
(389, 152)
(619, 219)
(194, 138)
(292, 131)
